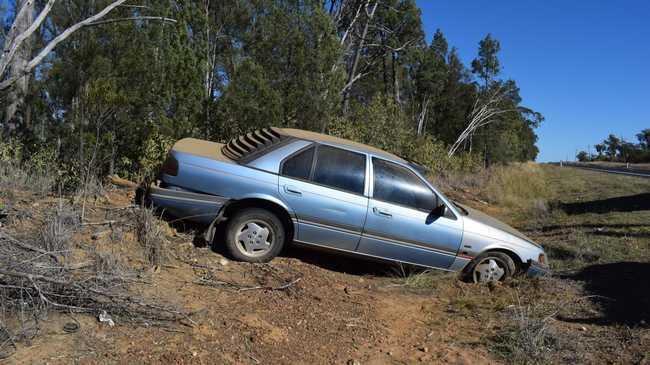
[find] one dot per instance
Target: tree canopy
(117, 93)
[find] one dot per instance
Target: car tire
(491, 266)
(254, 235)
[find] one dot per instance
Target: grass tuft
(150, 233)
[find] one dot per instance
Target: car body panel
(325, 216)
(206, 180)
(202, 208)
(393, 231)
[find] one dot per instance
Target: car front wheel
(491, 267)
(254, 235)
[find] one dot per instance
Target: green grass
(595, 218)
(595, 227)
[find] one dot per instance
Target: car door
(325, 187)
(401, 222)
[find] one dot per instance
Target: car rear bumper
(186, 205)
(536, 269)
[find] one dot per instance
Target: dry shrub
(56, 234)
(527, 339)
(15, 177)
(150, 233)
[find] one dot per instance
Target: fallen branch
(116, 180)
(104, 223)
(282, 287)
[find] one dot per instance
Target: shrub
(150, 235)
(153, 154)
(57, 232)
(383, 124)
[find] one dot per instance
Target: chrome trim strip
(329, 225)
(376, 237)
(186, 196)
(368, 255)
(408, 243)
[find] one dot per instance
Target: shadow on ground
(355, 265)
(326, 259)
(629, 203)
(560, 227)
(621, 289)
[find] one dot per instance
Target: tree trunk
(357, 54)
(16, 94)
(396, 91)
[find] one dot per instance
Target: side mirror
(439, 208)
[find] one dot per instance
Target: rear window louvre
(246, 147)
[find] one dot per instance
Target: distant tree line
(115, 94)
(618, 149)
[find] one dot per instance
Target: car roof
(336, 141)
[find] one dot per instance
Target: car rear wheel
(491, 267)
(254, 235)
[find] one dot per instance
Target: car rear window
(299, 166)
(340, 169)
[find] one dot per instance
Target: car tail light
(542, 259)
(170, 167)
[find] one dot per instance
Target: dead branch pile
(45, 273)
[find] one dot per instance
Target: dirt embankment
(310, 307)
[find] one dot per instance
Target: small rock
(424, 349)
(223, 262)
(105, 318)
(353, 362)
(583, 328)
(390, 353)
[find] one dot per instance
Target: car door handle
(382, 212)
(292, 190)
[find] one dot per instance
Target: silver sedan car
(275, 186)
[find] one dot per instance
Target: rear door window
(340, 169)
(299, 165)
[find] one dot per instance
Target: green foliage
(487, 65)
(114, 97)
(389, 130)
(582, 156)
(619, 150)
(153, 154)
(10, 150)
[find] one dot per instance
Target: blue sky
(585, 65)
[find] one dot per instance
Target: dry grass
(527, 338)
(58, 229)
(150, 233)
(516, 185)
(14, 177)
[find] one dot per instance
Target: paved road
(621, 171)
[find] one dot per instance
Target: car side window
(299, 165)
(340, 169)
(396, 184)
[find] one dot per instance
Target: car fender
(524, 254)
(270, 198)
(211, 230)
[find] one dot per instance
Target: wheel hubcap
(254, 238)
(488, 270)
